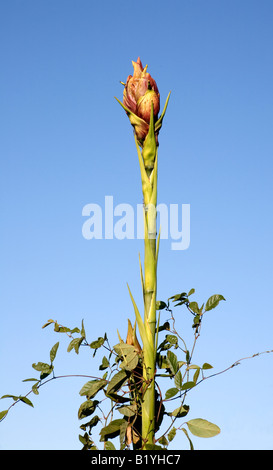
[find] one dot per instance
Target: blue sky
(65, 142)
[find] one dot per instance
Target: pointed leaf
(26, 401)
(203, 428)
(158, 124)
(3, 414)
(98, 343)
(171, 393)
(43, 367)
(48, 323)
(91, 388)
(188, 385)
(116, 382)
(104, 364)
(172, 362)
(87, 408)
(128, 410)
(112, 430)
(181, 411)
(188, 437)
(53, 352)
(213, 301)
(145, 340)
(75, 344)
(172, 434)
(178, 380)
(194, 307)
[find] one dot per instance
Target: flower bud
(140, 91)
(144, 105)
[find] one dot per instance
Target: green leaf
(53, 352)
(203, 428)
(3, 414)
(165, 326)
(194, 307)
(192, 291)
(177, 297)
(163, 441)
(130, 362)
(172, 434)
(171, 393)
(116, 382)
(42, 367)
(129, 355)
(83, 330)
(87, 408)
(161, 361)
(111, 430)
(88, 444)
(206, 366)
(26, 401)
(84, 439)
(92, 423)
(178, 380)
(30, 380)
(213, 301)
(122, 433)
(98, 343)
(188, 385)
(109, 446)
(128, 410)
(75, 330)
(63, 329)
(14, 397)
(159, 305)
(196, 375)
(117, 398)
(48, 323)
(75, 344)
(188, 437)
(122, 349)
(196, 321)
(172, 362)
(104, 364)
(35, 388)
(193, 366)
(147, 344)
(91, 388)
(180, 412)
(172, 339)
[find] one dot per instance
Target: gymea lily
(141, 102)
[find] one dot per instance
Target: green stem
(150, 283)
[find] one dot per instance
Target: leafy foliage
(121, 384)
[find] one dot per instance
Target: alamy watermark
(126, 222)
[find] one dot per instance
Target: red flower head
(139, 93)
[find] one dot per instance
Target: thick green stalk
(148, 163)
(150, 283)
(148, 406)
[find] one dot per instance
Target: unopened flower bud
(144, 105)
(139, 92)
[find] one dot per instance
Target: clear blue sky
(65, 142)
